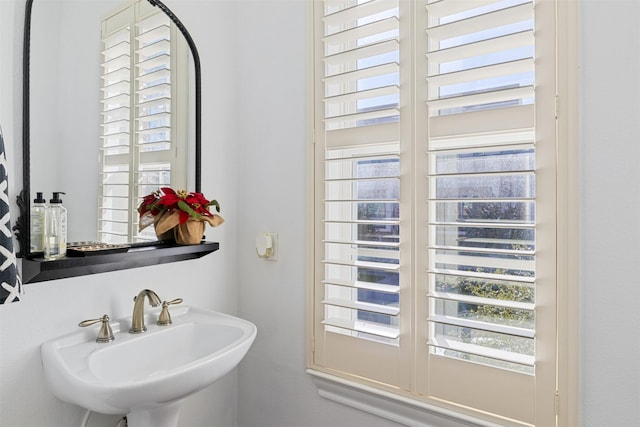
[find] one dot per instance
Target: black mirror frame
(23, 223)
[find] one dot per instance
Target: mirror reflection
(109, 112)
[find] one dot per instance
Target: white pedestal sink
(146, 375)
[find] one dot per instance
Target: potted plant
(180, 215)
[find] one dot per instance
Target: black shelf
(36, 269)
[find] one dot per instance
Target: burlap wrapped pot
(164, 226)
(189, 233)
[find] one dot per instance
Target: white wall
(256, 140)
(51, 309)
(274, 142)
(65, 110)
(610, 184)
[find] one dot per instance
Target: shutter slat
(362, 157)
(490, 242)
(479, 174)
(368, 51)
(482, 326)
(361, 200)
(152, 34)
(162, 102)
(145, 118)
(363, 94)
(364, 327)
(482, 22)
(353, 118)
(486, 262)
(363, 221)
(481, 48)
(505, 356)
(492, 97)
(116, 49)
(364, 264)
(363, 73)
(364, 243)
(484, 250)
(440, 8)
(152, 63)
(163, 75)
(364, 179)
(481, 275)
(115, 63)
(162, 45)
(364, 306)
(378, 287)
(485, 224)
(122, 98)
(486, 72)
(356, 12)
(378, 27)
(152, 131)
(470, 299)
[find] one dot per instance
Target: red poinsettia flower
(186, 204)
(148, 204)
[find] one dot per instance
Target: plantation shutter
(436, 202)
(482, 210)
(358, 127)
(482, 184)
(487, 284)
(116, 129)
(143, 77)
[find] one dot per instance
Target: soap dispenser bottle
(55, 230)
(37, 223)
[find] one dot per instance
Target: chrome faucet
(137, 320)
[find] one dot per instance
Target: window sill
(36, 269)
(400, 409)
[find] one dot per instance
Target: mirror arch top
(24, 198)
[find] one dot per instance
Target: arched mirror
(111, 113)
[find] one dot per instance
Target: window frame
(392, 403)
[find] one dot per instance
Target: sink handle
(105, 334)
(165, 318)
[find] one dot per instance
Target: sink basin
(146, 375)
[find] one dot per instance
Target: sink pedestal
(164, 416)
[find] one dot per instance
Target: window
(436, 203)
(144, 116)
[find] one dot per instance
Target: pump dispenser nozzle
(56, 197)
(39, 198)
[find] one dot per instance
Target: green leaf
(214, 203)
(185, 207)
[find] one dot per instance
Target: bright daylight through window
(435, 207)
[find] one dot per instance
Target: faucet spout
(137, 320)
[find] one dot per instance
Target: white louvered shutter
(437, 198)
(144, 140)
(359, 129)
(481, 158)
(482, 183)
(116, 131)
